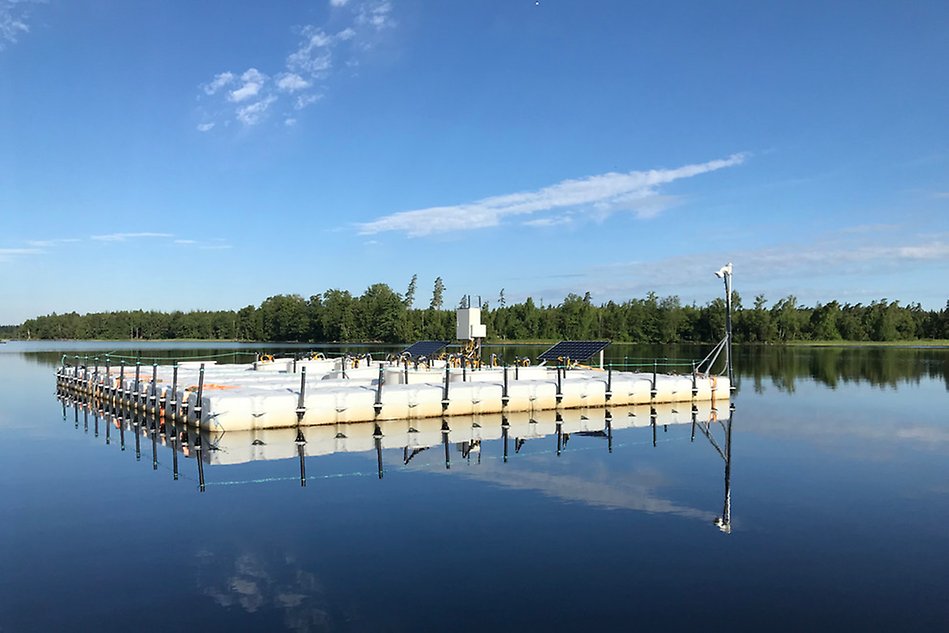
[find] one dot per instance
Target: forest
(380, 314)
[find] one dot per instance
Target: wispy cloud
(14, 17)
(121, 237)
(595, 196)
(8, 254)
(809, 265)
(52, 242)
(250, 97)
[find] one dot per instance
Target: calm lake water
(839, 513)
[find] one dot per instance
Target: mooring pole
(301, 410)
(199, 406)
(504, 396)
(138, 376)
(609, 382)
(378, 404)
(174, 392)
(152, 397)
(445, 401)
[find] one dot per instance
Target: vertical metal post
(152, 395)
(609, 382)
(695, 389)
(728, 327)
(300, 408)
(199, 405)
(504, 396)
(174, 392)
(378, 404)
(121, 386)
(138, 377)
(655, 371)
(445, 401)
(559, 390)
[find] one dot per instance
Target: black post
(695, 389)
(121, 386)
(378, 404)
(138, 375)
(504, 397)
(199, 405)
(301, 410)
(152, 396)
(655, 370)
(445, 401)
(174, 392)
(609, 382)
(559, 391)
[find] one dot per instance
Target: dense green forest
(382, 314)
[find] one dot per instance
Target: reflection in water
(257, 584)
(463, 436)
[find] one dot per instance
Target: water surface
(839, 501)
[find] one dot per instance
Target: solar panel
(425, 348)
(574, 350)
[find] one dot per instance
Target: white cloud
(186, 242)
(253, 80)
(597, 196)
(121, 237)
(291, 82)
(220, 80)
(254, 113)
(305, 70)
(305, 100)
(314, 56)
(13, 21)
(550, 221)
(289, 121)
(377, 15)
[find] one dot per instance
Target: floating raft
(285, 393)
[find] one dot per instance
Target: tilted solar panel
(574, 350)
(425, 348)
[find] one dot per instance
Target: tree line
(384, 315)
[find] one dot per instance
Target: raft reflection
(459, 436)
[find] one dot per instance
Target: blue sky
(181, 155)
